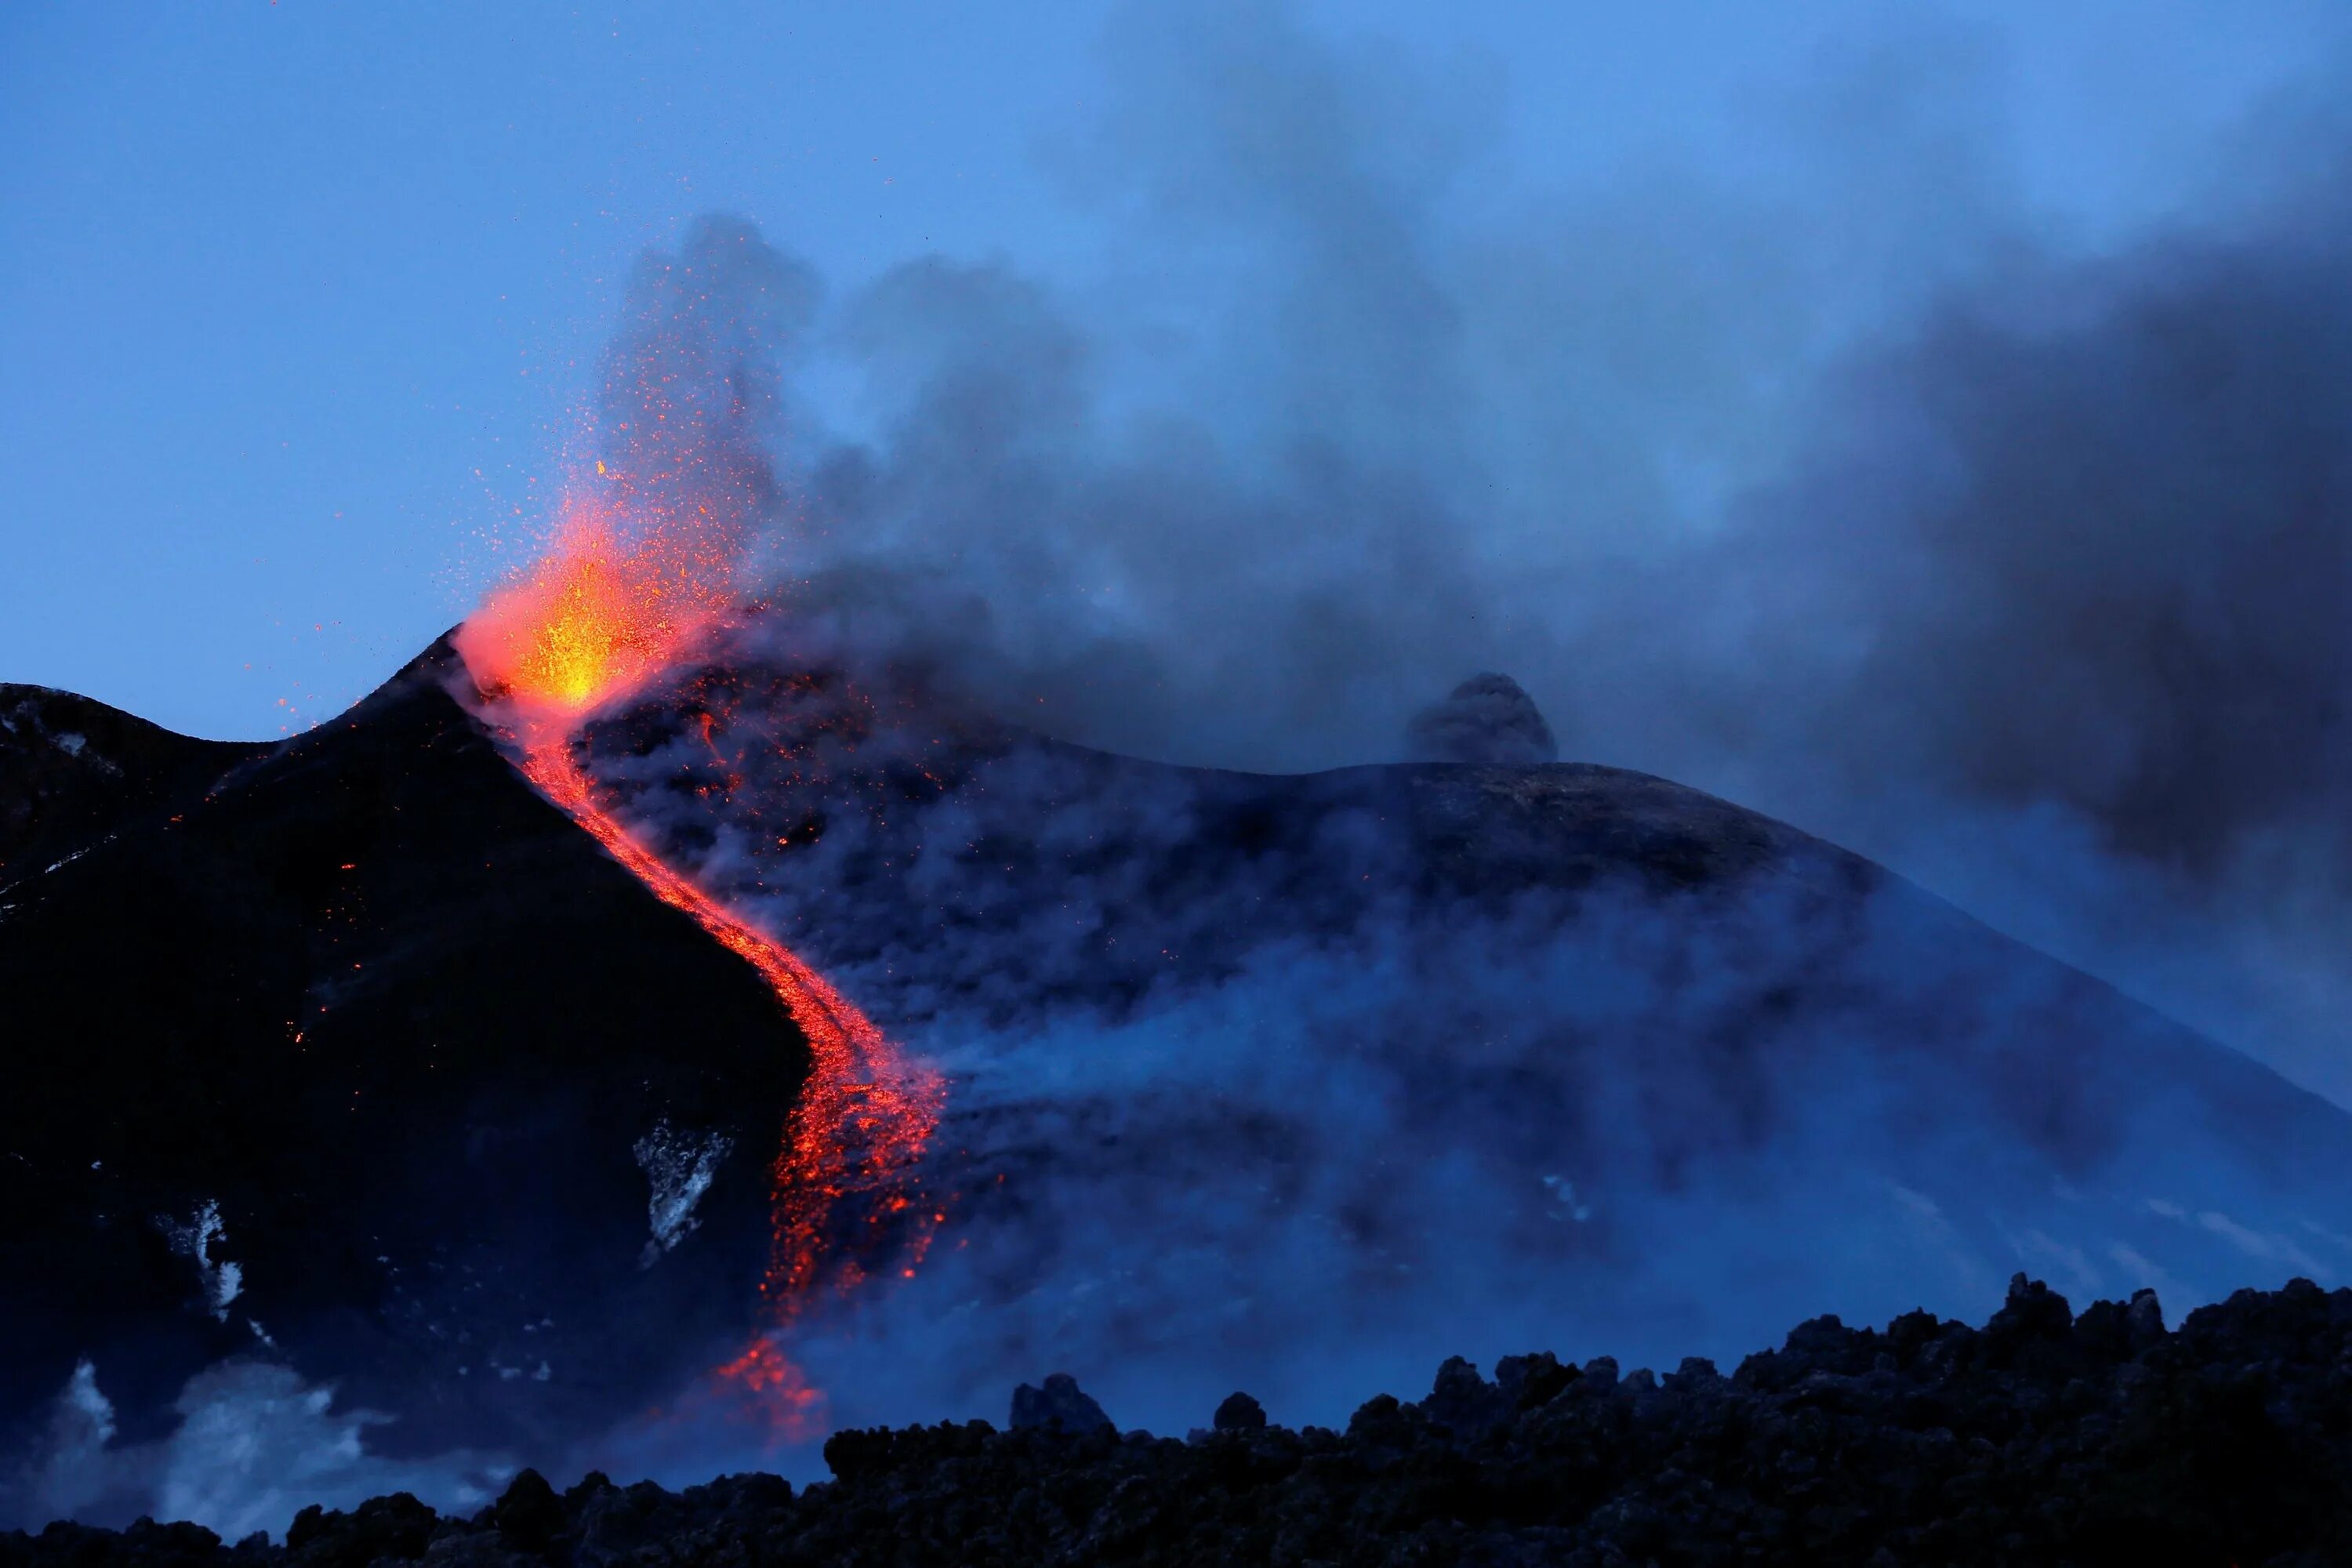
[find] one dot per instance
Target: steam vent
(1489, 718)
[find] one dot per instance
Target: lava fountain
(607, 608)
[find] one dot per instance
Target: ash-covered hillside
(375, 1130)
(2044, 1438)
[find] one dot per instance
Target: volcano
(354, 1059)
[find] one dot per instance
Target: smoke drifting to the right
(2016, 561)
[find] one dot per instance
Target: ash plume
(2060, 581)
(2089, 534)
(2011, 557)
(691, 396)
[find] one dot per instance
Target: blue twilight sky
(294, 299)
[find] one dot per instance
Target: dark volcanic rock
(1926, 1442)
(1239, 1413)
(72, 770)
(1061, 1405)
(1489, 718)
(351, 1041)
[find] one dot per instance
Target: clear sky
(294, 297)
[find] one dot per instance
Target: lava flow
(595, 619)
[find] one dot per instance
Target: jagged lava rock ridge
(2044, 1438)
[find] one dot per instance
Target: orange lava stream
(864, 1115)
(595, 617)
(861, 1123)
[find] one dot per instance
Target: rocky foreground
(2043, 1438)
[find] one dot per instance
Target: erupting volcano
(1272, 1075)
(609, 606)
(373, 1127)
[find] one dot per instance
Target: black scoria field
(2043, 1438)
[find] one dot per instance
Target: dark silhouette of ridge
(2043, 1437)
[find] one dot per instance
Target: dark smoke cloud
(2056, 614)
(2090, 535)
(1328, 434)
(1866, 498)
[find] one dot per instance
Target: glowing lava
(594, 617)
(593, 620)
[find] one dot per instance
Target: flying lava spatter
(604, 610)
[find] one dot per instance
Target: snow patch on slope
(194, 1240)
(680, 1166)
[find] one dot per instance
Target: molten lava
(593, 620)
(594, 617)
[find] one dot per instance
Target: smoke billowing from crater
(1867, 497)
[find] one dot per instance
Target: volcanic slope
(1275, 1074)
(72, 770)
(1284, 1080)
(352, 1052)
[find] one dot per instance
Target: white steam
(254, 1446)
